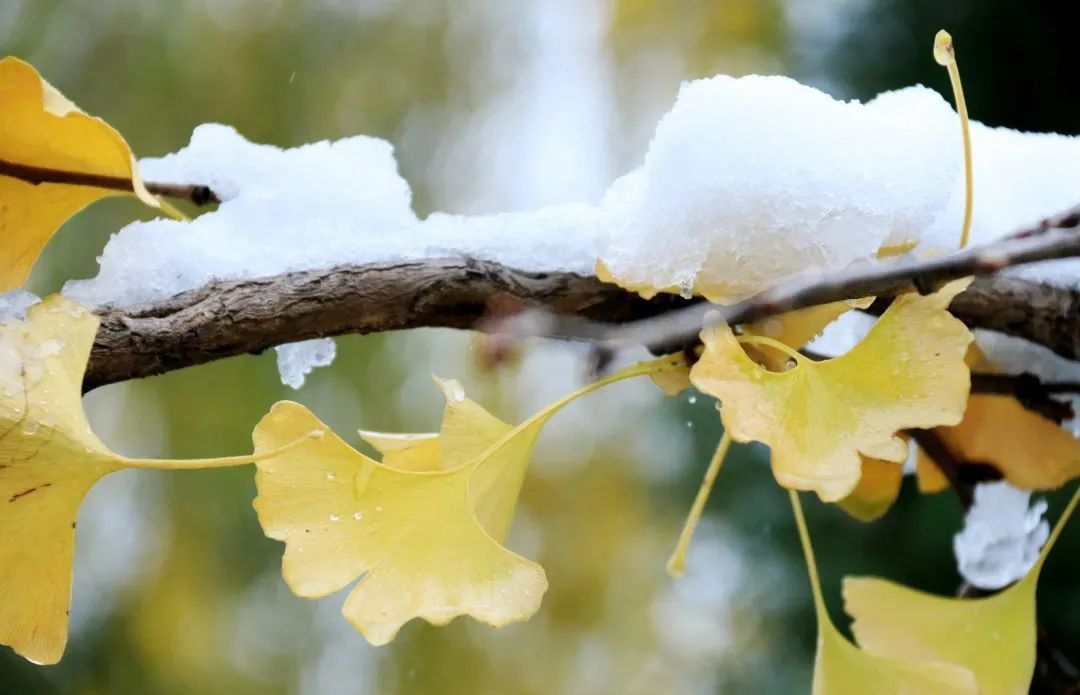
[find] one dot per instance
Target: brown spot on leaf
(27, 491)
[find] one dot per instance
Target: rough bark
(229, 318)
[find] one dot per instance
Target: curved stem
(774, 344)
(677, 563)
(660, 364)
(220, 462)
(808, 552)
(171, 210)
(945, 55)
(1058, 528)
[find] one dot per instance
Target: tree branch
(227, 318)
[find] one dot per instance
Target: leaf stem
(676, 564)
(774, 344)
(1058, 528)
(222, 461)
(808, 553)
(171, 210)
(945, 55)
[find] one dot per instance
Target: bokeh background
(491, 105)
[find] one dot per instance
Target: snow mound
(753, 179)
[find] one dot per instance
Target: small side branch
(193, 193)
(1058, 329)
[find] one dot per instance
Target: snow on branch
(226, 318)
(733, 198)
(1044, 314)
(234, 317)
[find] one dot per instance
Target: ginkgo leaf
(928, 476)
(818, 417)
(466, 431)
(794, 329)
(841, 668)
(877, 490)
(1032, 452)
(49, 459)
(424, 537)
(673, 382)
(40, 130)
(797, 328)
(994, 636)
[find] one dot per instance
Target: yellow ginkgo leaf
(42, 133)
(878, 488)
(406, 452)
(49, 459)
(421, 530)
(1032, 452)
(994, 636)
(841, 668)
(794, 329)
(673, 382)
(818, 417)
(928, 476)
(466, 431)
(797, 328)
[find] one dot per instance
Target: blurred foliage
(212, 614)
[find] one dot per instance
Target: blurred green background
(491, 106)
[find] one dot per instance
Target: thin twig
(1053, 238)
(193, 193)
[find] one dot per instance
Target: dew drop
(330, 475)
(692, 400)
(30, 427)
(358, 516)
(378, 508)
(335, 517)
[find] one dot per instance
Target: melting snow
(296, 360)
(13, 305)
(1002, 536)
